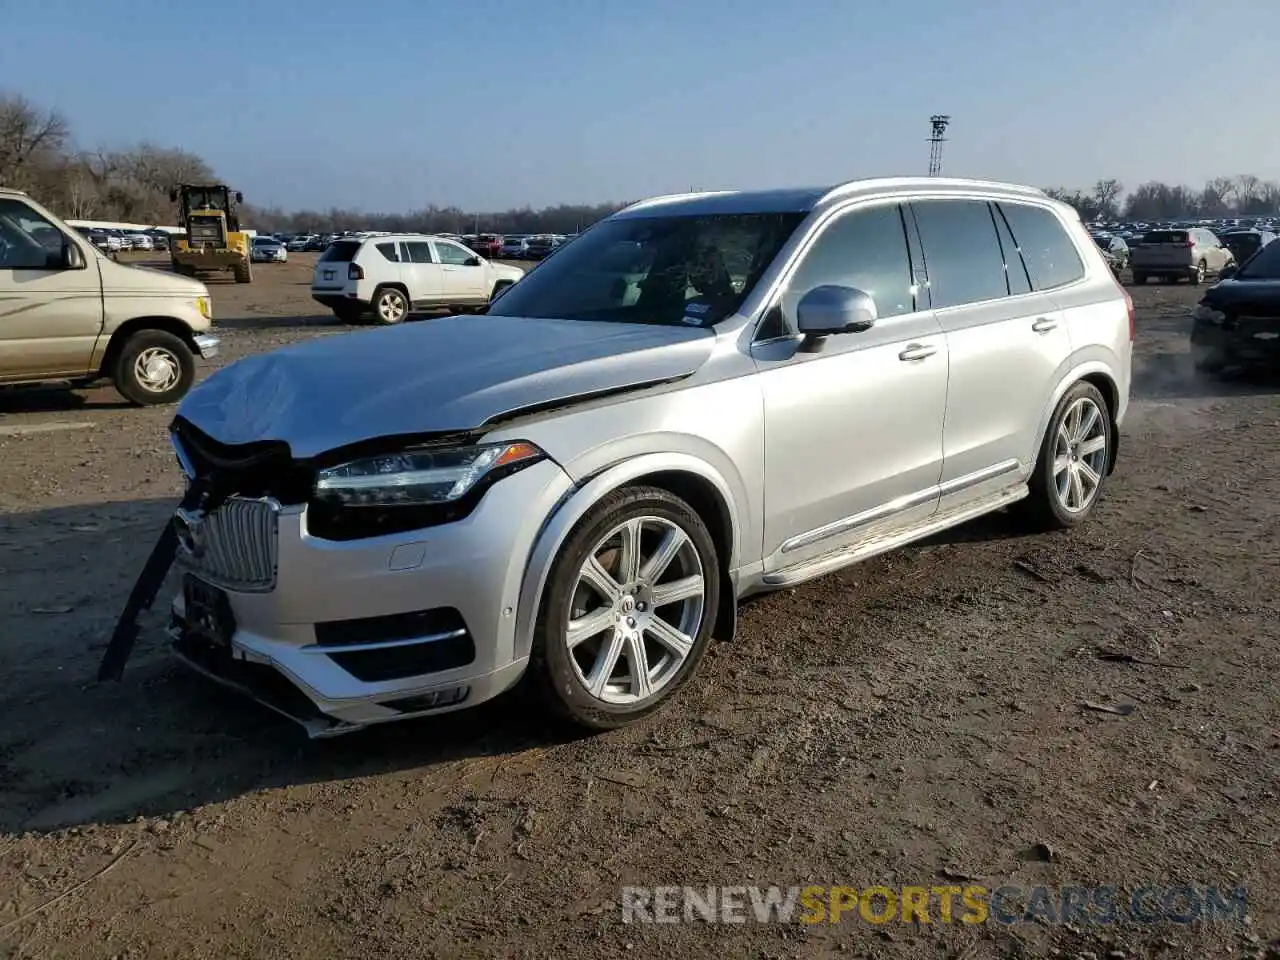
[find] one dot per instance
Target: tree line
(38, 154)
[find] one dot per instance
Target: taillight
(1128, 302)
(355, 272)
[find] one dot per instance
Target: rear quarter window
(388, 251)
(1051, 257)
(343, 251)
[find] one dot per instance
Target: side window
(27, 240)
(452, 255)
(1052, 259)
(1015, 269)
(388, 251)
(867, 249)
(961, 251)
(419, 251)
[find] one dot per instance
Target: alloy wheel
(1080, 455)
(392, 306)
(636, 607)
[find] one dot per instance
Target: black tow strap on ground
(145, 590)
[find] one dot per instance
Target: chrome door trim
(979, 476)
(898, 505)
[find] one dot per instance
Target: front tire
(153, 367)
(628, 609)
(243, 272)
(1072, 467)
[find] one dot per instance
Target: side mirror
(473, 261)
(1229, 271)
(239, 197)
(72, 258)
(829, 310)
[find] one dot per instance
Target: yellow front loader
(211, 238)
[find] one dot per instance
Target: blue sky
(393, 104)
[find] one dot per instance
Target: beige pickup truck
(69, 314)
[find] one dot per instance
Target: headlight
(423, 476)
(205, 306)
(1209, 315)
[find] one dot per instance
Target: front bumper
(206, 345)
(1244, 343)
(350, 672)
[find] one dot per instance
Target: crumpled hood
(432, 376)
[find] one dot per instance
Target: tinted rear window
(343, 251)
(1165, 236)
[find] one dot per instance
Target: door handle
(1044, 325)
(917, 351)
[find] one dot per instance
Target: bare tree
(1106, 193)
(29, 138)
(1246, 190)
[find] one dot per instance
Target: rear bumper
(337, 298)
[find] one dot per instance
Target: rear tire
(1071, 471)
(349, 314)
(153, 367)
(390, 306)
(629, 628)
(1140, 279)
(243, 272)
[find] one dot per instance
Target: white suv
(395, 275)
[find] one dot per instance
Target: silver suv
(702, 397)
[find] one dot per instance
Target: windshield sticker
(692, 321)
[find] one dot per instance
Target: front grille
(206, 231)
(235, 546)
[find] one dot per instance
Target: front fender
(575, 506)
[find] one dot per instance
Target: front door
(853, 430)
(50, 315)
(465, 275)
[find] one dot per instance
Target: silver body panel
(819, 458)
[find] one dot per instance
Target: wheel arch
(120, 336)
(687, 477)
(1101, 376)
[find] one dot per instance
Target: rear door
(50, 316)
(421, 274)
(466, 276)
(1005, 339)
(333, 268)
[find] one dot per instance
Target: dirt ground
(917, 720)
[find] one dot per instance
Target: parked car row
(113, 241)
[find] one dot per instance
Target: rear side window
(343, 251)
(388, 251)
(419, 251)
(961, 251)
(1051, 258)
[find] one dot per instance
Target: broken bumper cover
(367, 631)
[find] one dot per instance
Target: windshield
(1264, 265)
(690, 270)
